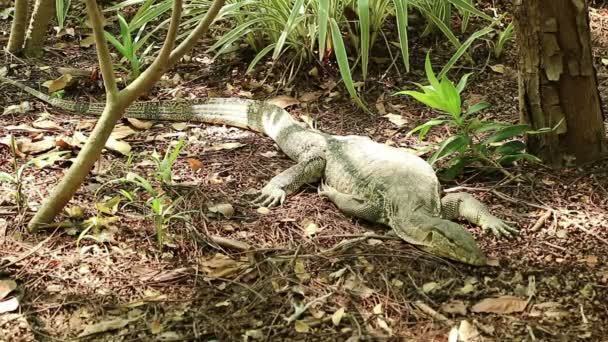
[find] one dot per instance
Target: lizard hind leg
(457, 205)
(351, 204)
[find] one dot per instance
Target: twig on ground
(30, 252)
(230, 243)
(432, 313)
(541, 221)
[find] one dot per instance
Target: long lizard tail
(253, 115)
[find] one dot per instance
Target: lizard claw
(270, 196)
(499, 228)
(324, 189)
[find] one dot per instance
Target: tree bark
(557, 81)
(44, 11)
(17, 37)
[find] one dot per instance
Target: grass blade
(401, 13)
(363, 8)
(323, 18)
(342, 59)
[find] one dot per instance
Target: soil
(311, 273)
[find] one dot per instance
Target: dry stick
(30, 252)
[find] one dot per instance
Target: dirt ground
(302, 271)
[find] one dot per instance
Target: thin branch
(103, 53)
(154, 72)
(197, 33)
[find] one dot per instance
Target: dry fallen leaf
(299, 268)
(47, 125)
(179, 126)
(140, 124)
(501, 305)
(195, 164)
(6, 286)
(310, 96)
(21, 108)
(88, 41)
(104, 326)
(119, 146)
(225, 209)
(310, 228)
(498, 68)
(398, 120)
(337, 316)
(302, 327)
(263, 210)
(29, 147)
(221, 266)
(467, 332)
(224, 146)
(121, 131)
(383, 325)
(9, 305)
(59, 83)
(283, 101)
(454, 307)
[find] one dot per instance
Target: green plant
(132, 32)
(503, 37)
(62, 7)
(474, 141)
(164, 167)
(128, 47)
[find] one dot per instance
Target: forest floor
(311, 273)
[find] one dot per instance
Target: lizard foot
(498, 227)
(325, 190)
(270, 196)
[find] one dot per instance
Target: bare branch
(103, 53)
(154, 72)
(197, 33)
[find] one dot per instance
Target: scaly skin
(372, 181)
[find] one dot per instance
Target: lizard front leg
(464, 205)
(306, 171)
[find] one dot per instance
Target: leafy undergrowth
(302, 271)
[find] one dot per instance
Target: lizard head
(443, 238)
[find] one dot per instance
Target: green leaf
(402, 24)
(431, 100)
(363, 8)
(125, 34)
(482, 127)
(462, 49)
(464, 5)
(509, 159)
(507, 133)
(511, 147)
(295, 11)
(117, 45)
(425, 127)
(455, 168)
(430, 75)
(463, 82)
(456, 143)
(323, 19)
(343, 65)
(259, 56)
(477, 107)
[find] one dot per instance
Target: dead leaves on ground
(6, 287)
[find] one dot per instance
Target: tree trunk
(557, 81)
(44, 11)
(17, 37)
